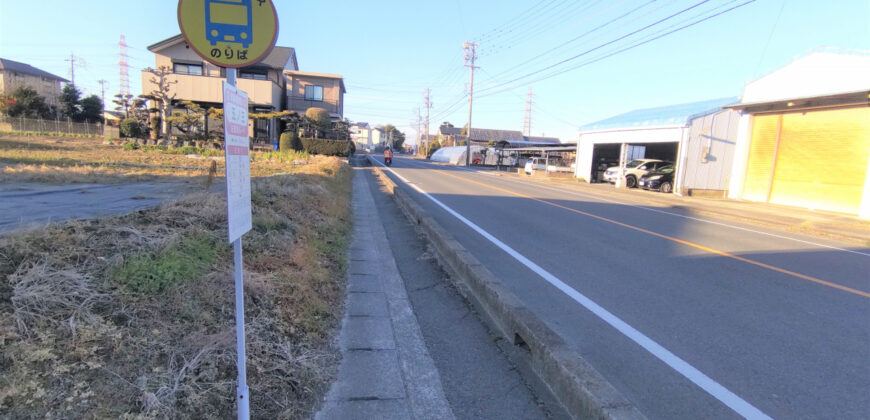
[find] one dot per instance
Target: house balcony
(210, 89)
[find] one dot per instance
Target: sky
(615, 55)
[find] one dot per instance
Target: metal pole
(242, 394)
(470, 101)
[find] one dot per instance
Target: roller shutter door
(760, 164)
(822, 159)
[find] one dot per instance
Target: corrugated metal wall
(710, 151)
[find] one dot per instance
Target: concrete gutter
(581, 390)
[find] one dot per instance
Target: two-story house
(321, 90)
(14, 74)
(274, 84)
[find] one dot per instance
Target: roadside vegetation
(64, 160)
(132, 315)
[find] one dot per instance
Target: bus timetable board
(229, 33)
(238, 161)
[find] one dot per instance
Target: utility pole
(103, 92)
(527, 125)
(72, 68)
(419, 132)
(470, 55)
(428, 104)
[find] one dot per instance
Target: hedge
(328, 147)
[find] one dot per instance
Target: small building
(361, 135)
(321, 90)
(804, 135)
(14, 74)
(698, 137)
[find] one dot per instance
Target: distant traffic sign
(229, 33)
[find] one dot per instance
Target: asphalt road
(687, 319)
(32, 204)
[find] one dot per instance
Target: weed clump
(182, 260)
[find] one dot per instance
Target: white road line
(730, 399)
(596, 197)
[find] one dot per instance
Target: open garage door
(603, 157)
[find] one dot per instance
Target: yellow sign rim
(225, 65)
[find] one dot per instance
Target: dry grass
(76, 160)
(79, 343)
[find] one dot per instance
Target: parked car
(535, 164)
(662, 179)
(634, 170)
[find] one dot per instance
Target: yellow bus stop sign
(229, 33)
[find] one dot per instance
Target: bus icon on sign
(228, 21)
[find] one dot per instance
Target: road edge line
(578, 387)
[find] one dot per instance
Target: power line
(595, 48)
(595, 60)
(537, 27)
(516, 19)
(583, 35)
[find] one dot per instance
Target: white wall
(817, 74)
(741, 156)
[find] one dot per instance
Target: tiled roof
(277, 58)
(449, 131)
(485, 134)
(10, 65)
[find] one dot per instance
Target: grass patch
(182, 260)
(68, 160)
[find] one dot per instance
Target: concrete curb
(582, 391)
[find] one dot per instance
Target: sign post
(233, 34)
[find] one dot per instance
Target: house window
(194, 69)
(252, 75)
(313, 93)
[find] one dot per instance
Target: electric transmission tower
(103, 91)
(124, 86)
(470, 55)
(527, 124)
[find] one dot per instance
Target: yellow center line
(671, 238)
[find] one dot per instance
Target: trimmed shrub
(328, 147)
(130, 127)
(296, 142)
(285, 142)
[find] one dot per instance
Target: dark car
(662, 179)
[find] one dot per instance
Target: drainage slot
(519, 342)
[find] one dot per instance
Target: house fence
(67, 126)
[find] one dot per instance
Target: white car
(535, 164)
(634, 170)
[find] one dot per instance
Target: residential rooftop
(16, 66)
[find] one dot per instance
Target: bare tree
(161, 93)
